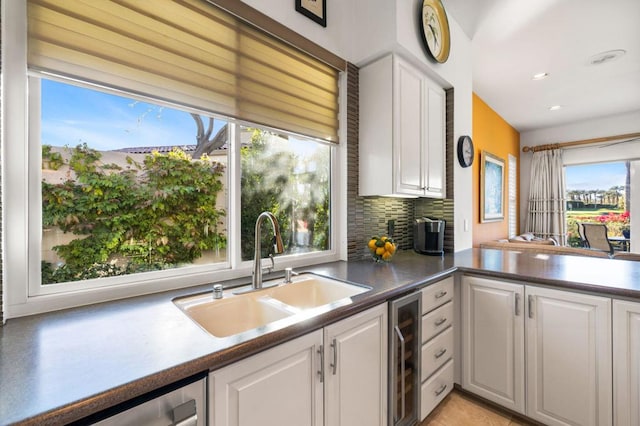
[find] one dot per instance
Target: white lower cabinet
(493, 341)
(566, 370)
(568, 358)
(335, 376)
(626, 363)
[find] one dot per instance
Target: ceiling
(514, 39)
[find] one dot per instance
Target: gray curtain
(546, 208)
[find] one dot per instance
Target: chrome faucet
(256, 282)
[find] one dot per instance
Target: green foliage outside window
(275, 180)
(153, 215)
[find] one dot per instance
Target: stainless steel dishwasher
(404, 359)
(182, 403)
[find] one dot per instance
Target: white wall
(588, 129)
(363, 30)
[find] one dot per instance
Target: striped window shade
(189, 52)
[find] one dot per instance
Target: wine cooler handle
(402, 353)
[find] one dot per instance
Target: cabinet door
(626, 363)
(356, 370)
(277, 387)
(568, 358)
(409, 129)
(493, 341)
(435, 143)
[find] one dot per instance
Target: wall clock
(435, 30)
(465, 151)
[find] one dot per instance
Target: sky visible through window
(595, 176)
(73, 115)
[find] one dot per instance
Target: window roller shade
(186, 51)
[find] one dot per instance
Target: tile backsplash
(369, 216)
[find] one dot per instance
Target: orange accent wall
(491, 133)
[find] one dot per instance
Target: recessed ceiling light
(607, 56)
(540, 76)
(555, 107)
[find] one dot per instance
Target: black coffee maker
(428, 236)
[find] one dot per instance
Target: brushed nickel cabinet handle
(440, 353)
(440, 390)
(441, 294)
(334, 364)
(321, 371)
(530, 306)
(517, 304)
(440, 321)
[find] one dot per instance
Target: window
(109, 194)
(130, 186)
(598, 193)
(513, 195)
(127, 186)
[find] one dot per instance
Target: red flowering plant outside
(616, 222)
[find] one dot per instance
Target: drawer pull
(441, 294)
(440, 321)
(440, 390)
(440, 353)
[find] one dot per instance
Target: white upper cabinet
(402, 131)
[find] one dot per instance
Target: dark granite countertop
(62, 366)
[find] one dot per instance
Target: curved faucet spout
(278, 247)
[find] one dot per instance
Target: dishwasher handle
(185, 414)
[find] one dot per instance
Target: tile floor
(459, 410)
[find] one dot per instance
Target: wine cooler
(404, 360)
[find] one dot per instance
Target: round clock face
(435, 29)
(465, 151)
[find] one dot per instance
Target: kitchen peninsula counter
(59, 367)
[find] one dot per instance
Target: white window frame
(22, 224)
(512, 163)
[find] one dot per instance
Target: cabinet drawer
(435, 389)
(436, 352)
(437, 294)
(436, 321)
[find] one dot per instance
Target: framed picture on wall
(313, 9)
(491, 188)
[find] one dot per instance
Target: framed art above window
(313, 9)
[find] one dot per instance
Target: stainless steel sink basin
(235, 314)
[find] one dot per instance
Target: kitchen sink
(298, 300)
(310, 291)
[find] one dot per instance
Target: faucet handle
(273, 264)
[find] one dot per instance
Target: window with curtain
(157, 129)
(599, 193)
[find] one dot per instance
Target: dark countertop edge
(98, 402)
(560, 284)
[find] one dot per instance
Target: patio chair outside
(595, 234)
(583, 240)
